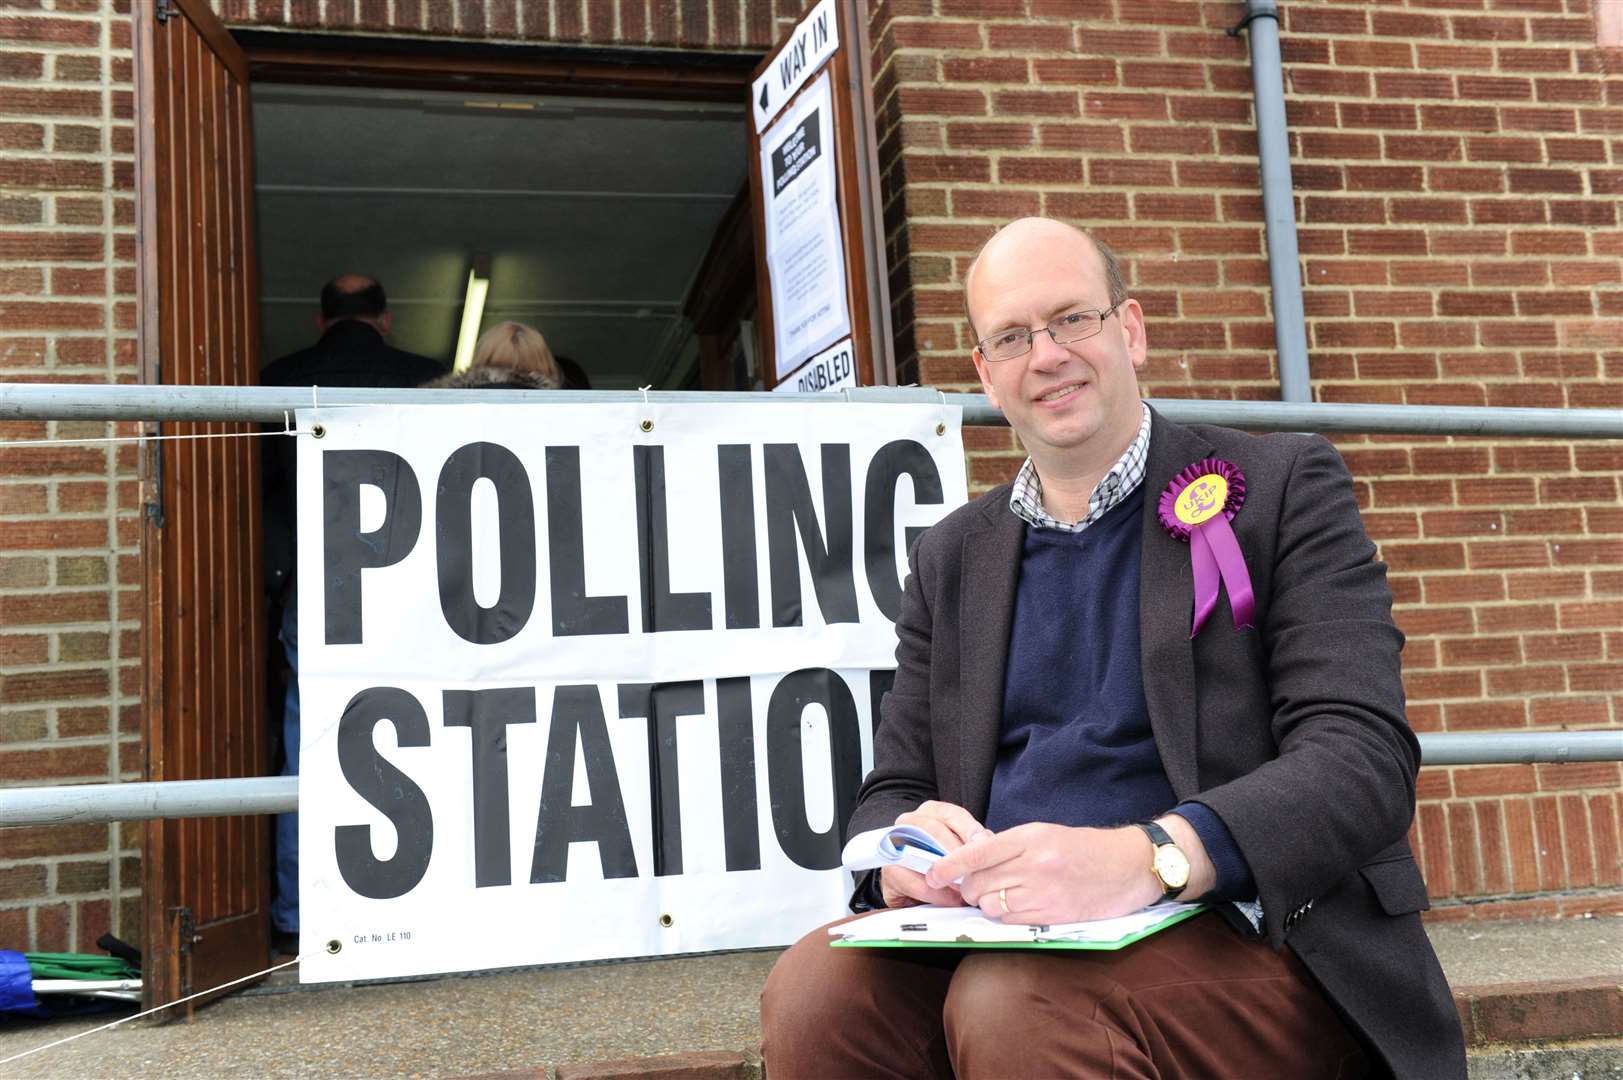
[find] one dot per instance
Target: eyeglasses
(1073, 326)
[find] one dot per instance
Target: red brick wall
(69, 621)
(1457, 174)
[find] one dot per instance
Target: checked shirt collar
(1026, 500)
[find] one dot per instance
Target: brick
(1480, 780)
(1522, 845)
(1124, 106)
(1436, 686)
(1578, 489)
(1569, 712)
(53, 840)
(1603, 819)
(1046, 170)
(1485, 715)
(1102, 138)
(79, 32)
(1602, 615)
(1495, 88)
(1034, 103)
(1503, 148)
(1510, 682)
(1134, 172)
(1407, 24)
(1460, 652)
(1482, 28)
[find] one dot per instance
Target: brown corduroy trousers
(1196, 1000)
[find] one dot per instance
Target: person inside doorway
(353, 350)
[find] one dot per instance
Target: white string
(153, 438)
(149, 1012)
(645, 390)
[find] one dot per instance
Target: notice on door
(804, 248)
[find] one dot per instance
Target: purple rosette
(1196, 507)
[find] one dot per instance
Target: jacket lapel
(991, 562)
(1166, 599)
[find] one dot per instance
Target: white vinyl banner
(595, 680)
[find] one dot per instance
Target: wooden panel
(206, 881)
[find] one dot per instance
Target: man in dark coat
(353, 351)
(1088, 725)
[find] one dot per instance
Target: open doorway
(594, 216)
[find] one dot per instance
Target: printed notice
(805, 251)
(832, 369)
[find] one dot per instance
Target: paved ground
(546, 1017)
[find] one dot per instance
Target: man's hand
(1053, 874)
(953, 827)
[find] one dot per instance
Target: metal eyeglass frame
(1087, 328)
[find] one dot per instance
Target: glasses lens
(1075, 325)
(1007, 345)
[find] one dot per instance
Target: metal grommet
(666, 921)
(318, 430)
(941, 429)
(334, 946)
(648, 425)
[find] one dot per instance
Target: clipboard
(929, 927)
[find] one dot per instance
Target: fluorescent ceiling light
(473, 313)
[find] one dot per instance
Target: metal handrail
(89, 803)
(272, 404)
(270, 795)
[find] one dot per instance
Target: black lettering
(487, 713)
(893, 461)
(454, 543)
(739, 574)
(786, 780)
(579, 710)
(346, 550)
(740, 821)
(573, 612)
(789, 505)
(661, 608)
(391, 792)
(661, 704)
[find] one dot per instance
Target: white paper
(760, 729)
(930, 922)
(893, 845)
(805, 250)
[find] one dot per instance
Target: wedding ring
(1003, 900)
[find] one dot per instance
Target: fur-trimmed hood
(491, 377)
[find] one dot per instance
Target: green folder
(1092, 946)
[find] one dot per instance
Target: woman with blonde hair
(509, 355)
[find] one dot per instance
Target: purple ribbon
(1214, 553)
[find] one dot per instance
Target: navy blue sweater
(1076, 746)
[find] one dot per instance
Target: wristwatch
(1169, 864)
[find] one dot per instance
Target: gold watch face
(1171, 866)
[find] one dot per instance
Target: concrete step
(1541, 999)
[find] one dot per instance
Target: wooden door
(206, 881)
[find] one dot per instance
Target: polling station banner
(593, 680)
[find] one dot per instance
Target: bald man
(1087, 732)
(353, 350)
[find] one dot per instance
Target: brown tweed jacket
(1294, 733)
